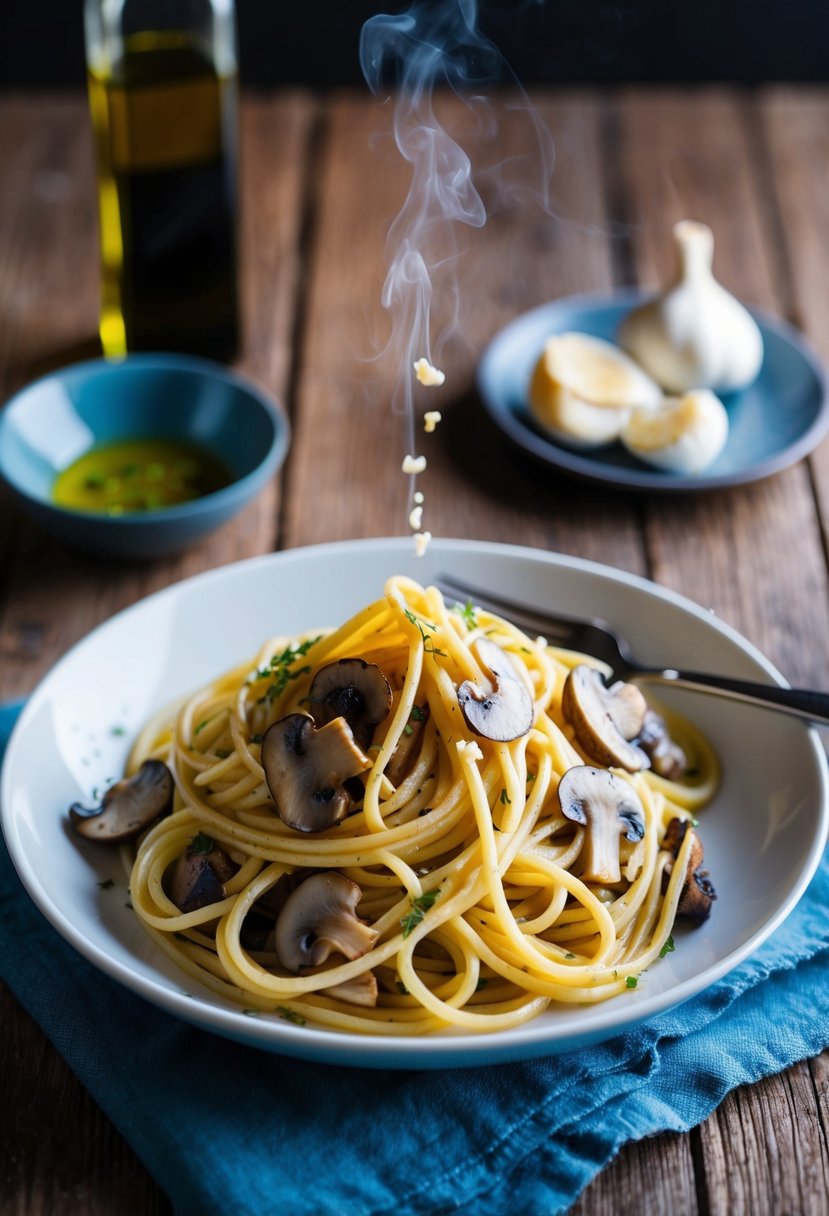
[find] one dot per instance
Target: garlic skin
(583, 390)
(695, 334)
(685, 435)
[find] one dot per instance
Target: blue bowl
(52, 422)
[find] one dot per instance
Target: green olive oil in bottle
(162, 81)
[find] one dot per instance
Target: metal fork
(595, 637)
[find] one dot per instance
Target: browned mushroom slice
(505, 712)
(319, 920)
(667, 758)
(128, 807)
(306, 768)
(608, 808)
(362, 990)
(605, 720)
(352, 689)
(403, 757)
(698, 892)
(198, 877)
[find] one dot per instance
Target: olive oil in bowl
(139, 475)
(164, 119)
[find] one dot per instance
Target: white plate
(764, 834)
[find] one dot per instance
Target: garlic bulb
(583, 390)
(695, 334)
(685, 435)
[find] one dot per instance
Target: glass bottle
(162, 77)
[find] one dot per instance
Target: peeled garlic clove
(695, 334)
(595, 371)
(685, 435)
(583, 389)
(576, 422)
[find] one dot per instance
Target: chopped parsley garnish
(420, 906)
(202, 844)
(467, 613)
(569, 954)
(418, 714)
(202, 725)
(631, 981)
(408, 731)
(256, 738)
(504, 798)
(482, 983)
(106, 883)
(428, 645)
(290, 1016)
(280, 670)
(668, 948)
(223, 753)
(402, 989)
(118, 731)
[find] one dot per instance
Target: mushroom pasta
(419, 820)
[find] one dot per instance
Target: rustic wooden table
(321, 182)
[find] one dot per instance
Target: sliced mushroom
(362, 990)
(698, 892)
(352, 689)
(319, 920)
(402, 758)
(605, 720)
(504, 713)
(306, 767)
(608, 808)
(128, 807)
(667, 758)
(198, 876)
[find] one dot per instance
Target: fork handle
(801, 702)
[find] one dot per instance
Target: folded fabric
(225, 1128)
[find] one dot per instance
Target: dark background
(315, 42)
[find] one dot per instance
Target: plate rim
(400, 1051)
(580, 465)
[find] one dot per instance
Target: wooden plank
(687, 155)
(755, 555)
(475, 485)
(60, 1154)
(48, 289)
(655, 1175)
(51, 258)
(795, 131)
(791, 1174)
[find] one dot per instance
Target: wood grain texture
(321, 182)
(688, 155)
(795, 134)
(274, 141)
(655, 1175)
(474, 486)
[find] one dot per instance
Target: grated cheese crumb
(418, 496)
(469, 749)
(430, 420)
(416, 518)
(428, 375)
(414, 464)
(421, 541)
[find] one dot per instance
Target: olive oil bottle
(163, 99)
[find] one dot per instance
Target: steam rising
(435, 44)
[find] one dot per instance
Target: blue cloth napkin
(224, 1128)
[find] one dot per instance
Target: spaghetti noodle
(463, 871)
